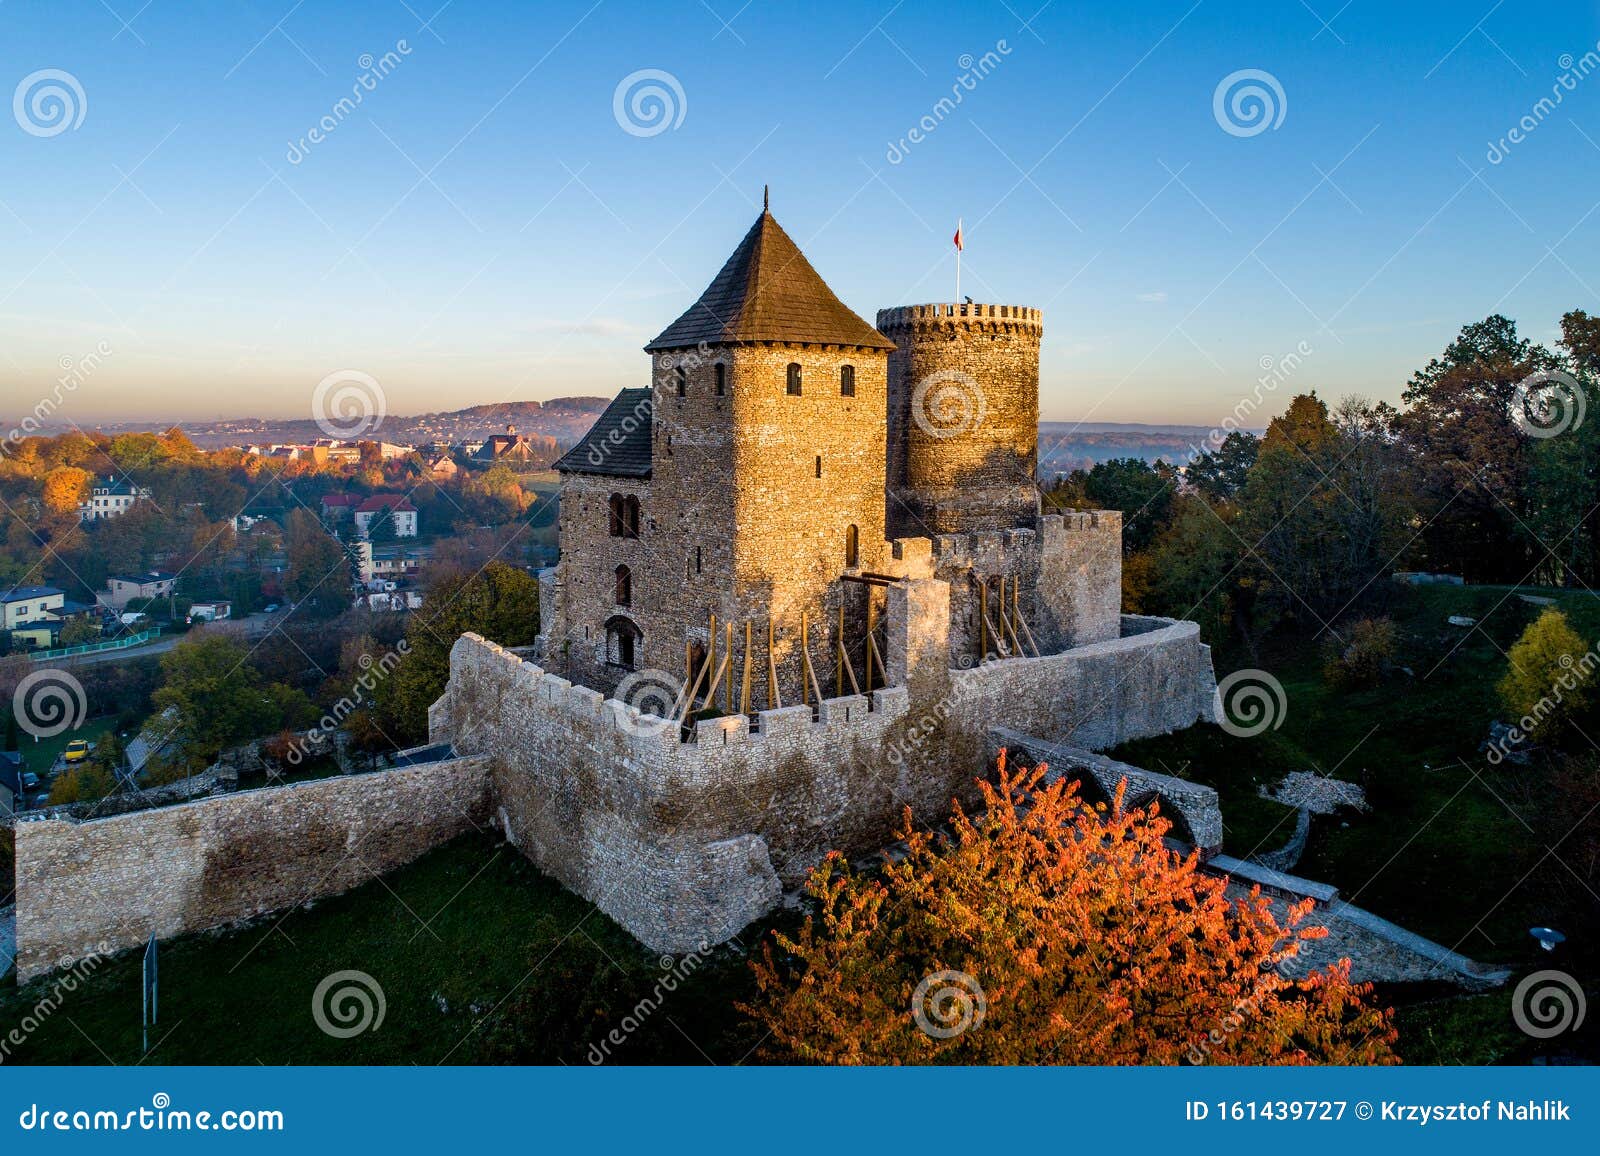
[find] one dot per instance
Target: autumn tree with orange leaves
(1047, 930)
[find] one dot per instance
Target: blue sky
(483, 228)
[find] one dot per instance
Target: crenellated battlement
(959, 313)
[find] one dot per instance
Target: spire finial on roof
(766, 197)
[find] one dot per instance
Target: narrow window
(680, 379)
(624, 586)
(794, 379)
(615, 506)
(852, 546)
(697, 559)
(847, 381)
(819, 465)
(722, 379)
(630, 517)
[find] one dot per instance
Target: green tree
(499, 602)
(319, 568)
(1547, 681)
(1468, 452)
(79, 630)
(1220, 473)
(1141, 491)
(218, 696)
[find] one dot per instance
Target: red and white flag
(959, 245)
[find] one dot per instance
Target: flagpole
(960, 244)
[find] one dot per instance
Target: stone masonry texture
(221, 860)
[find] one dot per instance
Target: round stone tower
(963, 417)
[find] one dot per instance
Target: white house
(30, 606)
(110, 499)
(405, 514)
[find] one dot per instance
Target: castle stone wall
(204, 864)
(685, 842)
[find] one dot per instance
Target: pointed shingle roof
(618, 444)
(768, 291)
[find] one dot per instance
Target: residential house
(339, 507)
(124, 588)
(110, 499)
(404, 514)
(379, 563)
(30, 606)
(441, 467)
(213, 611)
(512, 448)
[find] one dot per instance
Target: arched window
(680, 380)
(615, 521)
(622, 642)
(847, 381)
(624, 586)
(722, 378)
(630, 517)
(794, 379)
(852, 546)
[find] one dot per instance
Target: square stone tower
(765, 484)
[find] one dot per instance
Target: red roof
(395, 502)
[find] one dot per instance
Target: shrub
(1547, 679)
(1364, 658)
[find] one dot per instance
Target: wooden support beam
(838, 658)
(983, 620)
(687, 705)
(716, 681)
(871, 647)
(845, 665)
(727, 650)
(808, 671)
(711, 655)
(773, 700)
(744, 691)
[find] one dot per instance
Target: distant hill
(1063, 446)
(564, 418)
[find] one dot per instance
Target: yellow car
(77, 750)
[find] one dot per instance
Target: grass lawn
(510, 967)
(40, 756)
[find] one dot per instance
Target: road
(254, 627)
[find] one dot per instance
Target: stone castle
(804, 585)
(803, 577)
